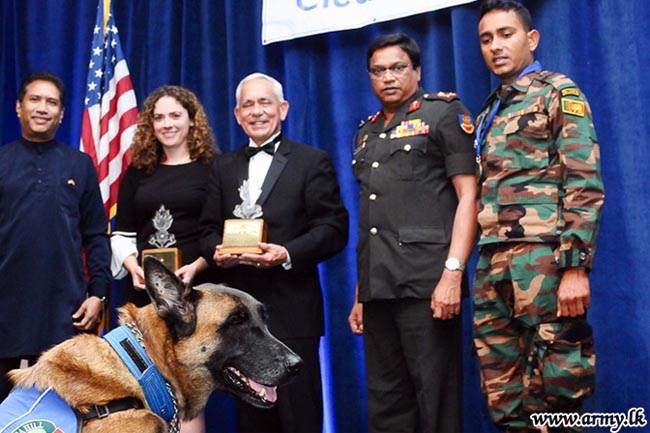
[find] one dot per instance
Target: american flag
(110, 114)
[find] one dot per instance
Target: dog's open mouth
(262, 393)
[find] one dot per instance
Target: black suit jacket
(304, 212)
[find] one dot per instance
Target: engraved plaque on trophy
(243, 234)
(163, 241)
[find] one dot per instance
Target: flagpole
(107, 12)
(110, 114)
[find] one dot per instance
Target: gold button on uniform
(373, 231)
(382, 135)
(407, 147)
(375, 164)
(372, 197)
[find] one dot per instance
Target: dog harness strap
(112, 407)
(155, 388)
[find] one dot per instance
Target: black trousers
(7, 364)
(299, 407)
(413, 368)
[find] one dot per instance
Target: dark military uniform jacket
(407, 202)
(541, 168)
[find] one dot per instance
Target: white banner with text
(288, 19)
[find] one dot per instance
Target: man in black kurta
(50, 208)
(415, 166)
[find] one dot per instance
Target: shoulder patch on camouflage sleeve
(571, 99)
(573, 107)
(441, 96)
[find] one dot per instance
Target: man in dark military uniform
(417, 223)
(541, 197)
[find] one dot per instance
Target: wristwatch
(453, 264)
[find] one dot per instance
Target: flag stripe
(87, 142)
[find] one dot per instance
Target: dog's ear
(173, 299)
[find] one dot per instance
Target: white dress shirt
(258, 167)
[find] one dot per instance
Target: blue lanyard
(483, 126)
(482, 129)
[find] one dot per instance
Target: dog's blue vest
(29, 410)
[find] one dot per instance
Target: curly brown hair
(146, 151)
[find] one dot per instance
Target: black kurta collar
(37, 146)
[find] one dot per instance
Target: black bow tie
(268, 148)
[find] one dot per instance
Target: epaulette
(441, 96)
(372, 119)
(558, 81)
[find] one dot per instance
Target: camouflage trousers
(530, 360)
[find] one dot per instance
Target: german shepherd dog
(201, 339)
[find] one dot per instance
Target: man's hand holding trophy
(244, 233)
(244, 238)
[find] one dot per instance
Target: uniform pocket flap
(532, 124)
(428, 235)
(408, 145)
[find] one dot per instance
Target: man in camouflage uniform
(414, 162)
(541, 196)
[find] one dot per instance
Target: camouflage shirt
(540, 163)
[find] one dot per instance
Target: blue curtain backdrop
(209, 45)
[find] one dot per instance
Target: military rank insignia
(575, 108)
(410, 128)
(466, 124)
(361, 143)
(533, 109)
(571, 91)
(414, 106)
(372, 119)
(447, 95)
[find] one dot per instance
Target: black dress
(181, 190)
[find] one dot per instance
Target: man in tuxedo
(297, 189)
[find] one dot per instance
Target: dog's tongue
(269, 392)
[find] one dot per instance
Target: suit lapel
(242, 166)
(280, 159)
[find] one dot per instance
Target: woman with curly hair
(162, 191)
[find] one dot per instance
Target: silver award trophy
(243, 234)
(163, 241)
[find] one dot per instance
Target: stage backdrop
(209, 45)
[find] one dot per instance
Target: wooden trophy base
(242, 236)
(171, 257)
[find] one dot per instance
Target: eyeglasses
(397, 69)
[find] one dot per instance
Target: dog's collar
(157, 390)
